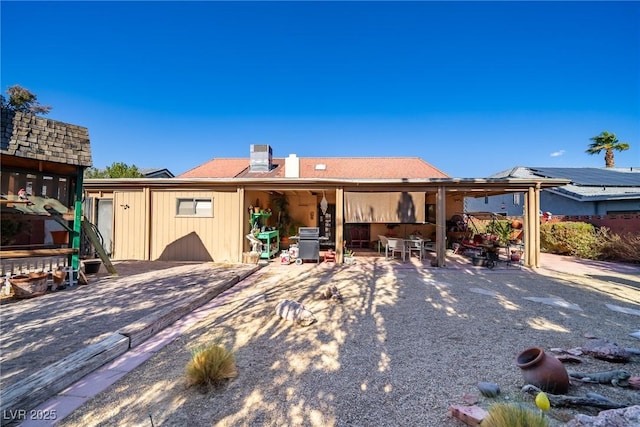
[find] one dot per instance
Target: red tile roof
(335, 167)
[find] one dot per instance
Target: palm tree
(608, 142)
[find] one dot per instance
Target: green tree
(116, 170)
(23, 100)
(608, 142)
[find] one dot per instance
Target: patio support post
(147, 230)
(532, 228)
(339, 223)
(77, 224)
(441, 226)
(528, 228)
(242, 218)
(536, 199)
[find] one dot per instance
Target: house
(591, 194)
(207, 213)
(156, 173)
(43, 162)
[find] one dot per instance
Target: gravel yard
(405, 344)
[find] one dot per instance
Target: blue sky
(473, 88)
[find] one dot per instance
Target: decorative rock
(624, 417)
(470, 415)
(568, 358)
(606, 350)
(332, 293)
(294, 312)
(470, 398)
(489, 389)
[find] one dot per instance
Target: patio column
(536, 201)
(242, 218)
(441, 226)
(339, 223)
(532, 227)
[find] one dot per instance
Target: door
(104, 223)
(129, 228)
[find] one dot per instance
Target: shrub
(617, 247)
(210, 365)
(511, 415)
(570, 238)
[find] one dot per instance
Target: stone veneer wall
(32, 137)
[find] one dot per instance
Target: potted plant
(502, 230)
(280, 203)
(348, 254)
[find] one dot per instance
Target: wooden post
(441, 226)
(77, 223)
(339, 224)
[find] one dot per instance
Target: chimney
(292, 166)
(260, 158)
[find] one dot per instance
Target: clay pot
(543, 371)
(60, 237)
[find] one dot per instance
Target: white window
(194, 207)
(516, 199)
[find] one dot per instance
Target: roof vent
(321, 167)
(260, 158)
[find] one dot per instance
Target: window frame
(194, 207)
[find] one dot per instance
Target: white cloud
(557, 153)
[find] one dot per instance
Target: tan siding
(129, 211)
(214, 238)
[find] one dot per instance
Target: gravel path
(405, 344)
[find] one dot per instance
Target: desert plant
(210, 365)
(570, 238)
(513, 415)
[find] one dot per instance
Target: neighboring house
(43, 162)
(156, 173)
(205, 214)
(591, 191)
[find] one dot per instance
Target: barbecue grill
(309, 243)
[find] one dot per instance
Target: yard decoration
(29, 285)
(591, 399)
(616, 377)
(295, 312)
(542, 370)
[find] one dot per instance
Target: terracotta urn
(543, 371)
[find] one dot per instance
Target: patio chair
(359, 237)
(396, 246)
(384, 243)
(415, 246)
